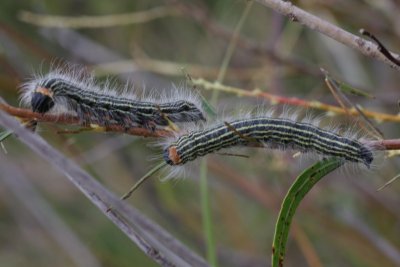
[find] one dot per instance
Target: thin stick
(247, 138)
(294, 101)
(143, 179)
(388, 144)
(331, 87)
(233, 155)
(72, 120)
(296, 14)
(79, 22)
(388, 182)
(381, 47)
(339, 96)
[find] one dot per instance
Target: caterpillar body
(273, 133)
(61, 92)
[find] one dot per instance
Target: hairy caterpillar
(74, 92)
(273, 133)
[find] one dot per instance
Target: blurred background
(344, 221)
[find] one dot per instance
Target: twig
(71, 120)
(381, 47)
(45, 20)
(296, 14)
(390, 144)
(334, 87)
(142, 180)
(152, 240)
(292, 100)
(388, 182)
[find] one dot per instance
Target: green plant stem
(143, 179)
(230, 50)
(207, 215)
(205, 203)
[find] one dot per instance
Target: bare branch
(296, 14)
(79, 22)
(292, 101)
(71, 120)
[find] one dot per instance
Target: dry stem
(71, 120)
(390, 144)
(296, 14)
(78, 22)
(276, 99)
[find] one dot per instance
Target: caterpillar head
(42, 100)
(171, 156)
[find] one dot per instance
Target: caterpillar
(278, 133)
(75, 92)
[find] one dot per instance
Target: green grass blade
(207, 215)
(4, 135)
(205, 202)
(143, 179)
(301, 186)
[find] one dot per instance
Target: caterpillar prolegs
(278, 133)
(75, 93)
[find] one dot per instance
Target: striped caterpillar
(72, 91)
(279, 133)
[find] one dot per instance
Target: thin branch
(293, 100)
(79, 22)
(381, 47)
(390, 144)
(296, 14)
(71, 120)
(150, 238)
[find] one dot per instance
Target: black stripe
(303, 136)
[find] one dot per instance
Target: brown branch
(389, 144)
(392, 144)
(296, 14)
(292, 101)
(72, 120)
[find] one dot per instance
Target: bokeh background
(344, 221)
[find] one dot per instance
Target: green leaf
(346, 88)
(301, 186)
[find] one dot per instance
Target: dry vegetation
(238, 54)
